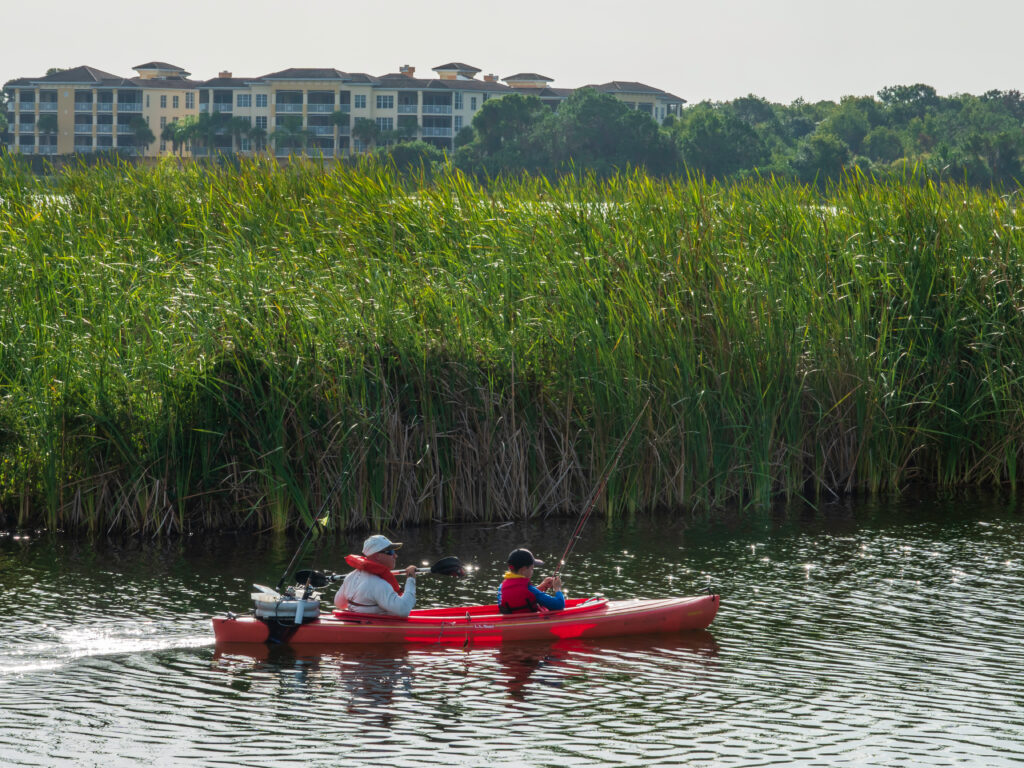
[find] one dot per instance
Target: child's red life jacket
(516, 596)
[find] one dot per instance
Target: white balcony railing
(123, 130)
(27, 106)
(129, 106)
(321, 108)
(83, 128)
(289, 108)
(83, 106)
(408, 109)
(322, 130)
(104, 129)
(48, 150)
(47, 106)
(105, 106)
(437, 109)
(443, 132)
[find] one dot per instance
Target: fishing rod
(598, 490)
(319, 521)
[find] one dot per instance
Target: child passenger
(516, 593)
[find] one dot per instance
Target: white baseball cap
(378, 543)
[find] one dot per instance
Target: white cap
(378, 543)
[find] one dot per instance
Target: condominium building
(323, 112)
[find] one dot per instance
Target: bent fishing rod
(598, 490)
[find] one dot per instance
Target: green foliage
(193, 346)
(719, 143)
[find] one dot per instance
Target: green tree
(366, 131)
(849, 123)
(258, 137)
(821, 156)
(883, 144)
(596, 131)
(290, 135)
(717, 142)
(47, 123)
(505, 122)
(142, 133)
(412, 155)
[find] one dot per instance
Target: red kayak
(480, 624)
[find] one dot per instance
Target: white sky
(696, 49)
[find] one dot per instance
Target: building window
(261, 122)
(245, 99)
(163, 123)
(458, 99)
(190, 101)
(147, 101)
(163, 146)
(360, 101)
(244, 144)
(261, 99)
(174, 99)
(385, 102)
(472, 103)
(386, 123)
(163, 101)
(458, 123)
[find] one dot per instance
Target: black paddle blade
(448, 566)
(314, 578)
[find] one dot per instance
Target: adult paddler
(371, 587)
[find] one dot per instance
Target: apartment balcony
(321, 130)
(48, 150)
(437, 109)
(105, 106)
(321, 108)
(83, 128)
(83, 106)
(408, 109)
(224, 107)
(27, 106)
(346, 108)
(292, 108)
(83, 147)
(129, 106)
(104, 128)
(124, 130)
(47, 106)
(441, 132)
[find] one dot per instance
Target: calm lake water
(862, 633)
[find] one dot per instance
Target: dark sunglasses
(390, 552)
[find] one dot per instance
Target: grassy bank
(185, 348)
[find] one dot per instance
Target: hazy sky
(706, 49)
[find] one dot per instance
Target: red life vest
(516, 596)
(371, 566)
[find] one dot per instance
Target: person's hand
(545, 585)
(410, 570)
(556, 582)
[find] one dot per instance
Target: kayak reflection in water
(371, 587)
(516, 593)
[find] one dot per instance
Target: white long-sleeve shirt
(363, 592)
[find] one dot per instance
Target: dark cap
(520, 558)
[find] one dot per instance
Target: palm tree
(172, 133)
(142, 133)
(290, 134)
(238, 127)
(366, 131)
(258, 137)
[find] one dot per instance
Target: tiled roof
(227, 82)
(621, 86)
(81, 74)
(159, 65)
(301, 73)
(169, 82)
(458, 66)
(18, 81)
(528, 76)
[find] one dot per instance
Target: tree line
(974, 139)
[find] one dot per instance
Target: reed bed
(191, 347)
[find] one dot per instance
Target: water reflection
(859, 634)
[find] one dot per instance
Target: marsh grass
(190, 347)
